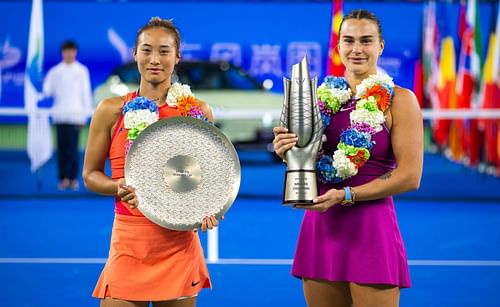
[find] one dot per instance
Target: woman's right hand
(127, 194)
(283, 141)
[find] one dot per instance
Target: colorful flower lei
(373, 98)
(138, 113)
(141, 112)
(180, 96)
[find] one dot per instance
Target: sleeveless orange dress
(148, 262)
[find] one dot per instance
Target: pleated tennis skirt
(150, 263)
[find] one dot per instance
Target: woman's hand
(283, 141)
(210, 222)
(127, 194)
(325, 201)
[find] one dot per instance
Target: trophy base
(300, 187)
(298, 202)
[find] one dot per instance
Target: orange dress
(148, 262)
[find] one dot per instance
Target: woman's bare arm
(99, 139)
(408, 146)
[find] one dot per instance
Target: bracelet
(348, 197)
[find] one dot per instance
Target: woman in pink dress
(350, 250)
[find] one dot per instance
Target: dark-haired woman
(350, 251)
(146, 263)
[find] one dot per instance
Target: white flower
(342, 95)
(381, 79)
(176, 91)
(345, 168)
(134, 118)
(374, 119)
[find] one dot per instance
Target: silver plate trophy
(301, 116)
(183, 169)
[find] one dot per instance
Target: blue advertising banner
(265, 38)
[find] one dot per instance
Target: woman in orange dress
(146, 263)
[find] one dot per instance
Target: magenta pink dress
(361, 243)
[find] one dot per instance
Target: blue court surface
(54, 244)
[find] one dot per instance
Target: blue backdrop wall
(264, 38)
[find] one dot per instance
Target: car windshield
(199, 75)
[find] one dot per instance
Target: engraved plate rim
(175, 123)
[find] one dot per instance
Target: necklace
(159, 102)
(373, 97)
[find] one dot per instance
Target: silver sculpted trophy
(301, 115)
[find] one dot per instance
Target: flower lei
(141, 112)
(373, 97)
(180, 96)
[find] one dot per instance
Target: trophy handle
(318, 122)
(286, 100)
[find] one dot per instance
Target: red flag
(462, 22)
(418, 82)
(465, 84)
(334, 65)
(468, 79)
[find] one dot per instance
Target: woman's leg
(112, 302)
(322, 293)
(374, 295)
(185, 302)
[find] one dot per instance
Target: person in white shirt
(69, 84)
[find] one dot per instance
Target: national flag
(418, 82)
(447, 83)
(465, 84)
(489, 95)
(431, 70)
(469, 79)
(334, 65)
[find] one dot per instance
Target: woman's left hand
(325, 201)
(209, 222)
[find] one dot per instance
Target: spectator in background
(69, 84)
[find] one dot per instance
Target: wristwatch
(348, 197)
